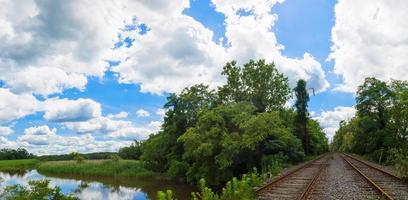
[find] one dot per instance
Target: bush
(114, 158)
(34, 190)
(400, 158)
(235, 189)
(168, 195)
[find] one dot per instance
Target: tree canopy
(222, 133)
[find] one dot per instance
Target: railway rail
(296, 184)
(387, 185)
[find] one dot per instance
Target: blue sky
(94, 76)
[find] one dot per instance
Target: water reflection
(100, 188)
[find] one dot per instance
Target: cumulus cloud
(370, 38)
(329, 120)
(111, 128)
(14, 106)
(67, 40)
(161, 112)
(40, 135)
(42, 140)
(6, 131)
(142, 113)
(121, 115)
(188, 55)
(64, 110)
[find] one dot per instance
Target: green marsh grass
(10, 165)
(126, 168)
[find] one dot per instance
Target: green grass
(126, 168)
(9, 165)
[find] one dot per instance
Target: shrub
(34, 190)
(401, 163)
(114, 158)
(168, 195)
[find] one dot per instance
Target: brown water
(101, 188)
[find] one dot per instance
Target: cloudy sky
(87, 76)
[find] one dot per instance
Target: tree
(134, 151)
(256, 82)
(302, 97)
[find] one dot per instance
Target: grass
(10, 165)
(125, 168)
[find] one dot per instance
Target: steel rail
(373, 167)
(287, 175)
(377, 188)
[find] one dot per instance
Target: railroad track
(296, 184)
(387, 186)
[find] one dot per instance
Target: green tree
(302, 98)
(35, 190)
(256, 82)
(134, 151)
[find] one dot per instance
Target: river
(101, 188)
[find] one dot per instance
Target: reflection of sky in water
(82, 189)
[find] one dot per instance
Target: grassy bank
(9, 165)
(126, 168)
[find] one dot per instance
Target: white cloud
(6, 131)
(155, 125)
(50, 46)
(188, 55)
(161, 112)
(65, 110)
(110, 128)
(329, 120)
(54, 45)
(121, 115)
(14, 106)
(142, 113)
(40, 135)
(42, 140)
(370, 38)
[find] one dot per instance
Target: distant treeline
(15, 154)
(71, 156)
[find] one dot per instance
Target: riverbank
(107, 168)
(125, 168)
(13, 165)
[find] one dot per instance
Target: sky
(91, 76)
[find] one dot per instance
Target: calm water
(96, 188)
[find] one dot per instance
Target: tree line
(379, 129)
(217, 134)
(15, 154)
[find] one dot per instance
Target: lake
(101, 188)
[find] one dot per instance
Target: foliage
(88, 156)
(134, 151)
(256, 82)
(235, 189)
(15, 154)
(302, 97)
(114, 158)
(34, 190)
(380, 128)
(78, 157)
(221, 134)
(128, 168)
(400, 158)
(168, 195)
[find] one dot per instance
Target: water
(100, 188)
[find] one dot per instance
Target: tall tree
(256, 82)
(302, 97)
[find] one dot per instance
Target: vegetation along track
(388, 186)
(296, 184)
